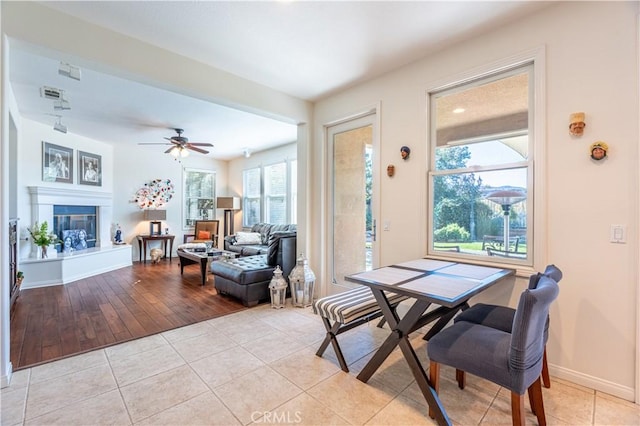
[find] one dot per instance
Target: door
(352, 226)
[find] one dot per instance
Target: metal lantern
(302, 280)
(278, 289)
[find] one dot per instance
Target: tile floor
(259, 366)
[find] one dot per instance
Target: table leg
(144, 247)
(170, 248)
(203, 270)
(139, 250)
(400, 337)
(401, 329)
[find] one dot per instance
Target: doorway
(353, 244)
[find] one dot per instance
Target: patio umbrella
(506, 199)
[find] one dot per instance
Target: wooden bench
(344, 311)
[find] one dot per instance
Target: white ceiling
(307, 49)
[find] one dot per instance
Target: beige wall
(591, 66)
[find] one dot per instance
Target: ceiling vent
(51, 93)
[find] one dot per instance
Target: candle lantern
(302, 280)
(278, 289)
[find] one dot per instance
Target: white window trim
(537, 173)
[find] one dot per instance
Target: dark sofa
(247, 277)
(265, 230)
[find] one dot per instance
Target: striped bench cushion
(351, 305)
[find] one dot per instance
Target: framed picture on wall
(57, 163)
(89, 169)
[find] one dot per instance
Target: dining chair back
(512, 360)
(501, 318)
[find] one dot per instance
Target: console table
(143, 242)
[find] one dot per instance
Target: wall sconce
(229, 204)
(155, 217)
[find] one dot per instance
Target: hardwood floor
(58, 321)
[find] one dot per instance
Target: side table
(143, 242)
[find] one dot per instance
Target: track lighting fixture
(61, 105)
(69, 70)
(58, 126)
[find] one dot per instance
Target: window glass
(252, 190)
(199, 195)
(480, 168)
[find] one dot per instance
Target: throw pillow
(204, 235)
(248, 238)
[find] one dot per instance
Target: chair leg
(517, 409)
(545, 370)
(535, 394)
(434, 378)
(461, 378)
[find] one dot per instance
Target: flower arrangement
(41, 235)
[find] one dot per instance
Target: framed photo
(57, 163)
(89, 169)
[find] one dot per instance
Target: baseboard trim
(6, 379)
(592, 382)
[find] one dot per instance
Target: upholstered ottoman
(247, 278)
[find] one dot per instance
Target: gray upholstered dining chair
(501, 317)
(512, 360)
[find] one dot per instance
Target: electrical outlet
(618, 234)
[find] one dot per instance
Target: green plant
(451, 233)
(41, 235)
(20, 274)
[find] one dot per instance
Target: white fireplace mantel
(43, 198)
(66, 268)
(69, 197)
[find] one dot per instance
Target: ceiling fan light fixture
(184, 152)
(175, 151)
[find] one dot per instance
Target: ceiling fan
(181, 145)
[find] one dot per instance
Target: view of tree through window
(199, 196)
(480, 168)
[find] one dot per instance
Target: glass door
(353, 224)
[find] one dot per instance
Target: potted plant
(19, 278)
(42, 237)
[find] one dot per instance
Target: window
(481, 168)
(270, 194)
(199, 196)
(252, 202)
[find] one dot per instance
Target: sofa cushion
(251, 238)
(253, 250)
(264, 229)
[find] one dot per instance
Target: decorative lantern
(278, 289)
(302, 280)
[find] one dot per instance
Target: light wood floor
(54, 322)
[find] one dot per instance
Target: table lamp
(155, 217)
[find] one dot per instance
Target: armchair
(204, 231)
(512, 360)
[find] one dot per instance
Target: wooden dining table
(449, 285)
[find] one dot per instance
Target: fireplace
(75, 226)
(71, 212)
(74, 210)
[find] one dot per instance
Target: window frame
(186, 198)
(536, 187)
(290, 195)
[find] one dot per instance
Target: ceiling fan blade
(152, 143)
(169, 150)
(193, 148)
(200, 144)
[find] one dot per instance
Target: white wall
(591, 66)
(257, 159)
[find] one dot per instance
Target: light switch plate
(618, 234)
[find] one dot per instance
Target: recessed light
(458, 110)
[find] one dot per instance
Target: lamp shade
(155, 214)
(228, 203)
